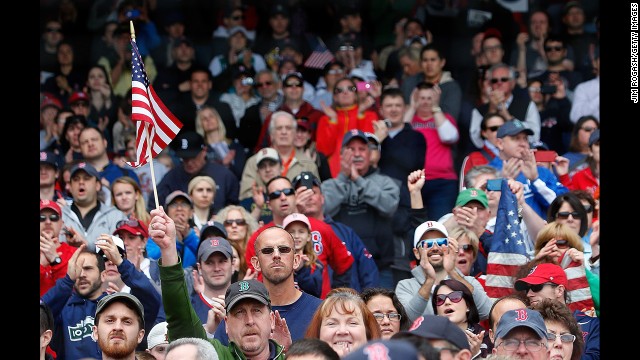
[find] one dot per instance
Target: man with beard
(74, 310)
(254, 330)
(436, 253)
(121, 328)
(275, 258)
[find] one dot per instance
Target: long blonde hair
(222, 130)
(140, 208)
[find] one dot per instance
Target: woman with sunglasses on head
(564, 336)
(240, 225)
(387, 309)
(344, 115)
(452, 299)
(559, 244)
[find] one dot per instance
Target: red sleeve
(263, 138)
(325, 136)
(334, 251)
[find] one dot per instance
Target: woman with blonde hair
(220, 149)
(240, 225)
(127, 196)
(343, 321)
(468, 246)
(202, 190)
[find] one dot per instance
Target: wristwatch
(56, 261)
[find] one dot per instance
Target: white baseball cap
(157, 335)
(428, 226)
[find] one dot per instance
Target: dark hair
(486, 117)
(368, 293)
(575, 203)
(311, 347)
(391, 92)
(555, 38)
(433, 47)
(107, 76)
(472, 315)
(422, 344)
(585, 195)
(276, 178)
(93, 127)
(415, 21)
(423, 85)
(554, 310)
(71, 120)
(46, 318)
(574, 145)
(201, 69)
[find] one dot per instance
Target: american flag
(147, 108)
(578, 286)
(507, 251)
(320, 56)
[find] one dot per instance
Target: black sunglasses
(454, 296)
(562, 243)
(276, 194)
(536, 288)
(503, 79)
(493, 128)
(340, 90)
(295, 84)
(262, 84)
(466, 247)
(552, 48)
(238, 222)
(282, 249)
(52, 30)
(565, 215)
(52, 218)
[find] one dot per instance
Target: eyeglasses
(536, 288)
(430, 242)
(282, 249)
(53, 30)
(565, 338)
(263, 84)
(587, 128)
(340, 90)
(552, 48)
(52, 218)
(276, 194)
(492, 48)
(79, 104)
(466, 247)
(238, 222)
(454, 296)
(530, 344)
(502, 79)
(296, 84)
(179, 204)
(335, 71)
(534, 89)
(129, 222)
(565, 215)
(493, 128)
(237, 17)
(390, 316)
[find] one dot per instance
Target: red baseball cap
(541, 274)
(48, 204)
(50, 100)
(78, 96)
(132, 226)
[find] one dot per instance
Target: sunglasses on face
(502, 79)
(562, 243)
(493, 128)
(238, 222)
(588, 128)
(335, 71)
(538, 287)
(565, 215)
(430, 242)
(565, 338)
(282, 249)
(52, 218)
(466, 248)
(276, 194)
(340, 90)
(454, 296)
(295, 84)
(552, 48)
(263, 84)
(129, 222)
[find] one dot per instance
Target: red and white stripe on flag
(501, 270)
(578, 286)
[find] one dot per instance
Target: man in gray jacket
(364, 199)
(437, 254)
(88, 217)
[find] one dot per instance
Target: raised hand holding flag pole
(156, 126)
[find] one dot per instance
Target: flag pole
(146, 126)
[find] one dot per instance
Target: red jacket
(582, 180)
(329, 248)
(330, 133)
(49, 274)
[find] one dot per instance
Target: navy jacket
(590, 327)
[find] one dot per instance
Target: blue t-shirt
(298, 316)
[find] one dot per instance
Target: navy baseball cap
(354, 133)
(212, 228)
(439, 328)
(521, 317)
(48, 157)
(86, 167)
(188, 144)
(384, 350)
(513, 127)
